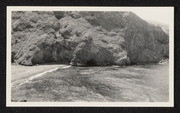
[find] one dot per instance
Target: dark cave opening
(91, 62)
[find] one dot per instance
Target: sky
(162, 15)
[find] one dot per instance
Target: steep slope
(164, 26)
(145, 43)
(85, 38)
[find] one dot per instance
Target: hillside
(86, 39)
(164, 26)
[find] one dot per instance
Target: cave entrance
(91, 62)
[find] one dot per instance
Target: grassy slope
(135, 83)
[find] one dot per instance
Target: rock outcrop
(86, 38)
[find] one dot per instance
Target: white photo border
(9, 10)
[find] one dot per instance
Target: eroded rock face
(86, 38)
(145, 42)
(89, 54)
(36, 39)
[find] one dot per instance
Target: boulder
(89, 54)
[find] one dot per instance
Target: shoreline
(19, 70)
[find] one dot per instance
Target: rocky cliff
(86, 38)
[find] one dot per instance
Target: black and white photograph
(90, 56)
